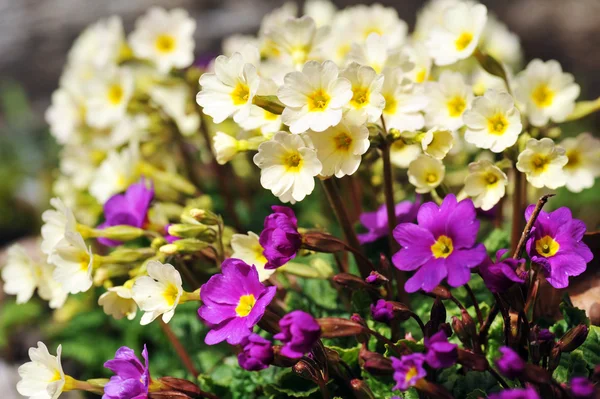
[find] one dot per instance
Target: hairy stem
(527, 230)
(181, 352)
(475, 304)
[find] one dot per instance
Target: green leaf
(292, 386)
(476, 394)
(571, 365)
(572, 315)
(381, 386)
(462, 385)
(492, 66)
(591, 347)
(348, 355)
(497, 239)
(412, 345)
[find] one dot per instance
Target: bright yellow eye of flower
(542, 96)
(431, 178)
(245, 305)
(547, 246)
(318, 101)
(342, 141)
(165, 43)
(170, 294)
(421, 75)
(293, 161)
(360, 97)
(539, 163)
(456, 106)
(55, 376)
(115, 94)
(574, 159)
(463, 41)
(410, 374)
(497, 124)
(390, 105)
(491, 179)
(442, 248)
(240, 94)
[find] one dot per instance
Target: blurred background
(35, 36)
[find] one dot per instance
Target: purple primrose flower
(132, 378)
(440, 352)
(517, 393)
(299, 332)
(280, 238)
(408, 370)
(510, 363)
(582, 388)
(502, 274)
(377, 222)
(257, 353)
(382, 311)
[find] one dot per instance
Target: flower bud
(461, 332)
(203, 216)
(321, 242)
(350, 281)
(280, 360)
(433, 391)
(307, 371)
(573, 338)
(169, 395)
(120, 233)
(335, 327)
(184, 245)
(376, 279)
(180, 385)
(471, 360)
(442, 292)
(554, 359)
(374, 363)
(126, 255)
(437, 317)
(361, 390)
(187, 230)
(157, 243)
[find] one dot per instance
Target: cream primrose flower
(115, 173)
(226, 146)
(367, 103)
(132, 127)
(229, 91)
(165, 38)
(108, 96)
(437, 142)
(314, 98)
(118, 302)
(457, 36)
(402, 154)
(322, 11)
(421, 63)
(426, 173)
(65, 115)
(430, 16)
(583, 167)
(43, 377)
(449, 98)
(158, 293)
(99, 44)
(74, 262)
(57, 222)
(481, 81)
(379, 54)
(497, 41)
(340, 148)
(542, 162)
(235, 44)
(174, 101)
(493, 122)
(341, 38)
(383, 21)
(266, 122)
(79, 163)
(486, 184)
(288, 167)
(546, 92)
(247, 248)
(298, 41)
(403, 102)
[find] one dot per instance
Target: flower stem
(485, 327)
(519, 201)
(384, 340)
(475, 304)
(419, 322)
(525, 235)
(181, 352)
(498, 377)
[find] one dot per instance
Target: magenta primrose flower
(299, 333)
(233, 301)
(280, 238)
(510, 363)
(257, 353)
(441, 246)
(582, 388)
(517, 393)
(377, 222)
(440, 352)
(132, 378)
(500, 275)
(408, 370)
(555, 244)
(129, 208)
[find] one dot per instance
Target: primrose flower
(74, 262)
(118, 302)
(556, 245)
(426, 173)
(165, 38)
(314, 98)
(99, 44)
(57, 222)
(542, 162)
(582, 388)
(367, 100)
(546, 92)
(419, 58)
(378, 19)
(457, 36)
(583, 166)
(449, 98)
(257, 353)
(516, 393)
(132, 378)
(403, 102)
(322, 11)
(299, 333)
(109, 94)
(378, 53)
(440, 352)
(130, 208)
(382, 311)
(158, 293)
(65, 115)
(233, 301)
(298, 40)
(502, 44)
(510, 363)
(288, 167)
(115, 173)
(499, 276)
(43, 376)
(174, 101)
(377, 221)
(441, 246)
(486, 183)
(408, 370)
(247, 247)
(437, 142)
(493, 121)
(340, 148)
(402, 154)
(280, 238)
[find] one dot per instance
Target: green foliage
(573, 316)
(12, 316)
(497, 239)
(462, 384)
(381, 386)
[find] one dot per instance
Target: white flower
(402, 154)
(57, 222)
(583, 167)
(158, 293)
(115, 174)
(118, 302)
(546, 92)
(298, 40)
(65, 115)
(493, 121)
(458, 34)
(235, 43)
(230, 90)
(259, 118)
(449, 98)
(421, 62)
(437, 142)
(108, 96)
(486, 183)
(322, 11)
(339, 148)
(482, 81)
(74, 262)
(500, 43)
(426, 173)
(129, 128)
(403, 103)
(42, 377)
(226, 147)
(174, 101)
(542, 162)
(378, 53)
(430, 16)
(20, 274)
(288, 167)
(314, 98)
(367, 100)
(383, 21)
(247, 248)
(165, 38)
(99, 44)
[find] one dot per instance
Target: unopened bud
(282, 361)
(321, 242)
(120, 233)
(126, 255)
(433, 391)
(169, 395)
(361, 390)
(335, 327)
(306, 371)
(376, 279)
(374, 363)
(471, 360)
(437, 317)
(185, 245)
(573, 338)
(350, 281)
(205, 217)
(187, 230)
(180, 385)
(442, 292)
(462, 332)
(554, 359)
(157, 243)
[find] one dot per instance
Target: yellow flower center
(497, 124)
(411, 373)
(318, 101)
(372, 29)
(343, 50)
(574, 159)
(542, 96)
(342, 141)
(240, 94)
(431, 178)
(390, 105)
(299, 54)
(115, 94)
(245, 305)
(491, 179)
(360, 97)
(456, 106)
(442, 248)
(463, 41)
(259, 253)
(270, 116)
(421, 75)
(170, 294)
(165, 43)
(293, 161)
(539, 162)
(55, 376)
(547, 246)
